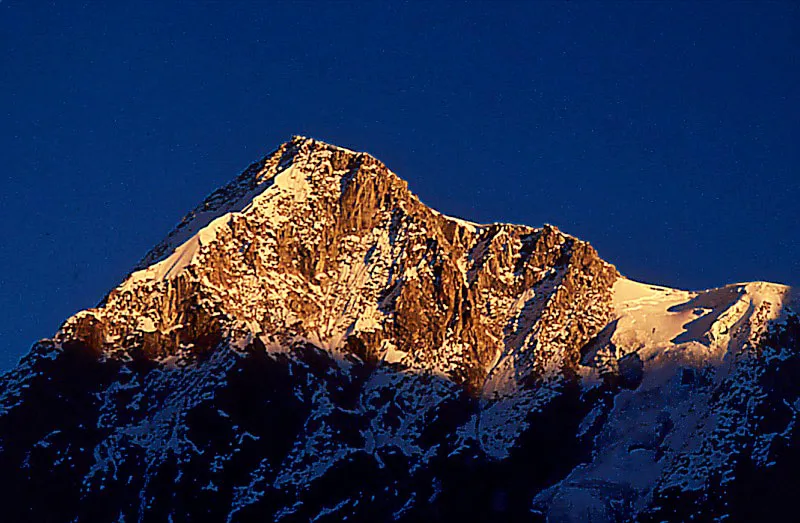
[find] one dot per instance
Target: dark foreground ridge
(312, 343)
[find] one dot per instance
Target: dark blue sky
(665, 134)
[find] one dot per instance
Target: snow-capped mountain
(312, 343)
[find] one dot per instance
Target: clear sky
(665, 134)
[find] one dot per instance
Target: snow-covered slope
(676, 350)
(314, 343)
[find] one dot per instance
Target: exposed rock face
(314, 343)
(336, 250)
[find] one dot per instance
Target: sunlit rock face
(312, 343)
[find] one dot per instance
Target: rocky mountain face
(312, 343)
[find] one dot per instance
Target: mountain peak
(280, 248)
(313, 324)
(253, 181)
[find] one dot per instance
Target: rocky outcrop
(337, 251)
